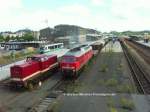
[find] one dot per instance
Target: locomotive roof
(39, 55)
(25, 64)
(78, 51)
(42, 55)
(32, 62)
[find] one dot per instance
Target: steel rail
(139, 76)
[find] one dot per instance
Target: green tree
(1, 38)
(17, 38)
(13, 38)
(28, 37)
(7, 39)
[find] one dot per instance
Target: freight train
(31, 72)
(75, 59)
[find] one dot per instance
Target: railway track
(45, 104)
(55, 91)
(139, 75)
(142, 50)
(14, 96)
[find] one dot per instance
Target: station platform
(115, 46)
(142, 42)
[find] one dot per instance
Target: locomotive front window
(69, 59)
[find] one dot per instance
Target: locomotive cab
(69, 64)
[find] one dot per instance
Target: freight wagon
(96, 47)
(74, 60)
(31, 72)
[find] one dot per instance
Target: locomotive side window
(28, 59)
(45, 58)
(35, 59)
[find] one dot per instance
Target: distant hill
(129, 33)
(24, 30)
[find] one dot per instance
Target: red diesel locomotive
(75, 59)
(31, 72)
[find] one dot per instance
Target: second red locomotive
(74, 60)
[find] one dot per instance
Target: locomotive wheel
(30, 86)
(75, 75)
(26, 85)
(55, 69)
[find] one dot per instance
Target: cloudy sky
(103, 15)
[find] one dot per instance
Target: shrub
(112, 109)
(120, 65)
(104, 68)
(2, 61)
(18, 55)
(126, 104)
(111, 82)
(110, 102)
(101, 82)
(125, 88)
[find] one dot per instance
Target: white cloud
(8, 5)
(97, 2)
(75, 9)
(128, 15)
(73, 14)
(129, 8)
(7, 11)
(121, 15)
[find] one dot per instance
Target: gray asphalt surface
(83, 104)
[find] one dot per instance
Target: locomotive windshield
(33, 59)
(69, 59)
